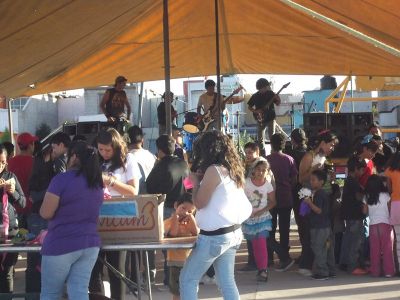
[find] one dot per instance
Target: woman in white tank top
(218, 180)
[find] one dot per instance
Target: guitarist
(262, 106)
(208, 102)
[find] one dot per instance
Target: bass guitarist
(262, 106)
(208, 102)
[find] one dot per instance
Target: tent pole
(167, 67)
(140, 113)
(10, 123)
(219, 125)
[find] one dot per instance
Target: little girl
(261, 195)
(380, 230)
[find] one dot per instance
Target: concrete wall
(93, 98)
(36, 112)
(69, 109)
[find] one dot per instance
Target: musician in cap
(262, 105)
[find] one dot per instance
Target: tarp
(68, 44)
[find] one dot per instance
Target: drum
(188, 139)
(190, 124)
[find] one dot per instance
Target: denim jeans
(352, 242)
(217, 250)
(322, 244)
(74, 268)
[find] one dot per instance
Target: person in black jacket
(167, 178)
(161, 115)
(11, 193)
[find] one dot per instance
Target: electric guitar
(206, 119)
(261, 115)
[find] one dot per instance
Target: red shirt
(369, 170)
(21, 166)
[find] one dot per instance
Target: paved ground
(287, 285)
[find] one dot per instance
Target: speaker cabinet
(347, 126)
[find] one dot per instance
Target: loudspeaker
(347, 127)
(69, 129)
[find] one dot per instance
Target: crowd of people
(217, 195)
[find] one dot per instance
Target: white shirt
(132, 172)
(146, 161)
(228, 206)
(379, 213)
(258, 197)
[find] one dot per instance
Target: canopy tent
(68, 44)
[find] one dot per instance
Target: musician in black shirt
(262, 106)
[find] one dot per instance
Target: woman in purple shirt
(72, 204)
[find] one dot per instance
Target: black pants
(281, 215)
(32, 273)
(133, 263)
(117, 286)
(303, 227)
(251, 261)
(7, 272)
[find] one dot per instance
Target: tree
(6, 137)
(42, 131)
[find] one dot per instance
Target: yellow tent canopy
(67, 44)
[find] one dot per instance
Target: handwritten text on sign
(142, 220)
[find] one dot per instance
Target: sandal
(262, 275)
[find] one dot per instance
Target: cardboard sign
(133, 219)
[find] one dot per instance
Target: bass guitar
(206, 119)
(261, 115)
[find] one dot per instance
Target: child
(380, 230)
(352, 212)
(332, 188)
(320, 228)
(262, 197)
(393, 179)
(252, 152)
(182, 223)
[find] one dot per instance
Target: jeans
(351, 244)
(261, 132)
(73, 268)
(322, 244)
(218, 250)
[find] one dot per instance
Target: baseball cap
(26, 138)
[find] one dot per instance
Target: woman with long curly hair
(218, 181)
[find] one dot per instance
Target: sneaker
(359, 271)
(247, 268)
(319, 277)
(304, 272)
(163, 288)
(262, 276)
(388, 276)
(332, 275)
(284, 266)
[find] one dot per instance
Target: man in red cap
(21, 166)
